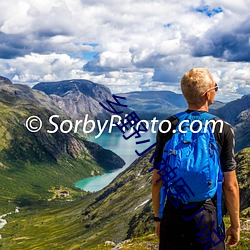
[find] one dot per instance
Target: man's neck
(198, 107)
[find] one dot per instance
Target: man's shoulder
(172, 119)
(227, 127)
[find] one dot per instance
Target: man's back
(194, 225)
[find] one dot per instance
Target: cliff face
(237, 113)
(232, 110)
(242, 130)
(78, 97)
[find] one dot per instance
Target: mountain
(232, 110)
(237, 113)
(121, 211)
(216, 105)
(242, 130)
(155, 100)
(32, 163)
(78, 97)
(160, 104)
(150, 104)
(4, 80)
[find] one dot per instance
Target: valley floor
(57, 225)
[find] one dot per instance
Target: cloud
(34, 68)
(139, 45)
(231, 45)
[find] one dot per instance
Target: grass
(51, 225)
(150, 242)
(63, 225)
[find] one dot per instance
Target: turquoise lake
(124, 148)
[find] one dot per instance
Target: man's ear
(207, 95)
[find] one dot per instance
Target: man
(173, 231)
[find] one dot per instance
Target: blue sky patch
(206, 10)
(89, 55)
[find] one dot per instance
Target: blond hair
(195, 83)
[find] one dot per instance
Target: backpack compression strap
(219, 198)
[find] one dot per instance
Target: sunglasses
(216, 87)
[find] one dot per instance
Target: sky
(128, 45)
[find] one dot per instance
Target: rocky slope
(243, 175)
(237, 114)
(78, 97)
(4, 80)
(31, 163)
(232, 110)
(242, 130)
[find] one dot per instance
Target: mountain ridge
(78, 97)
(4, 80)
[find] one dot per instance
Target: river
(124, 148)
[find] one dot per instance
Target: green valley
(121, 213)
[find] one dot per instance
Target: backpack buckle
(172, 152)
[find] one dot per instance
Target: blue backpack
(193, 157)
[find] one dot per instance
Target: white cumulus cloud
(135, 45)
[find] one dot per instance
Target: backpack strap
(208, 116)
(162, 201)
(182, 115)
(219, 200)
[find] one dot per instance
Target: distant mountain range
(79, 97)
(152, 103)
(160, 104)
(232, 110)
